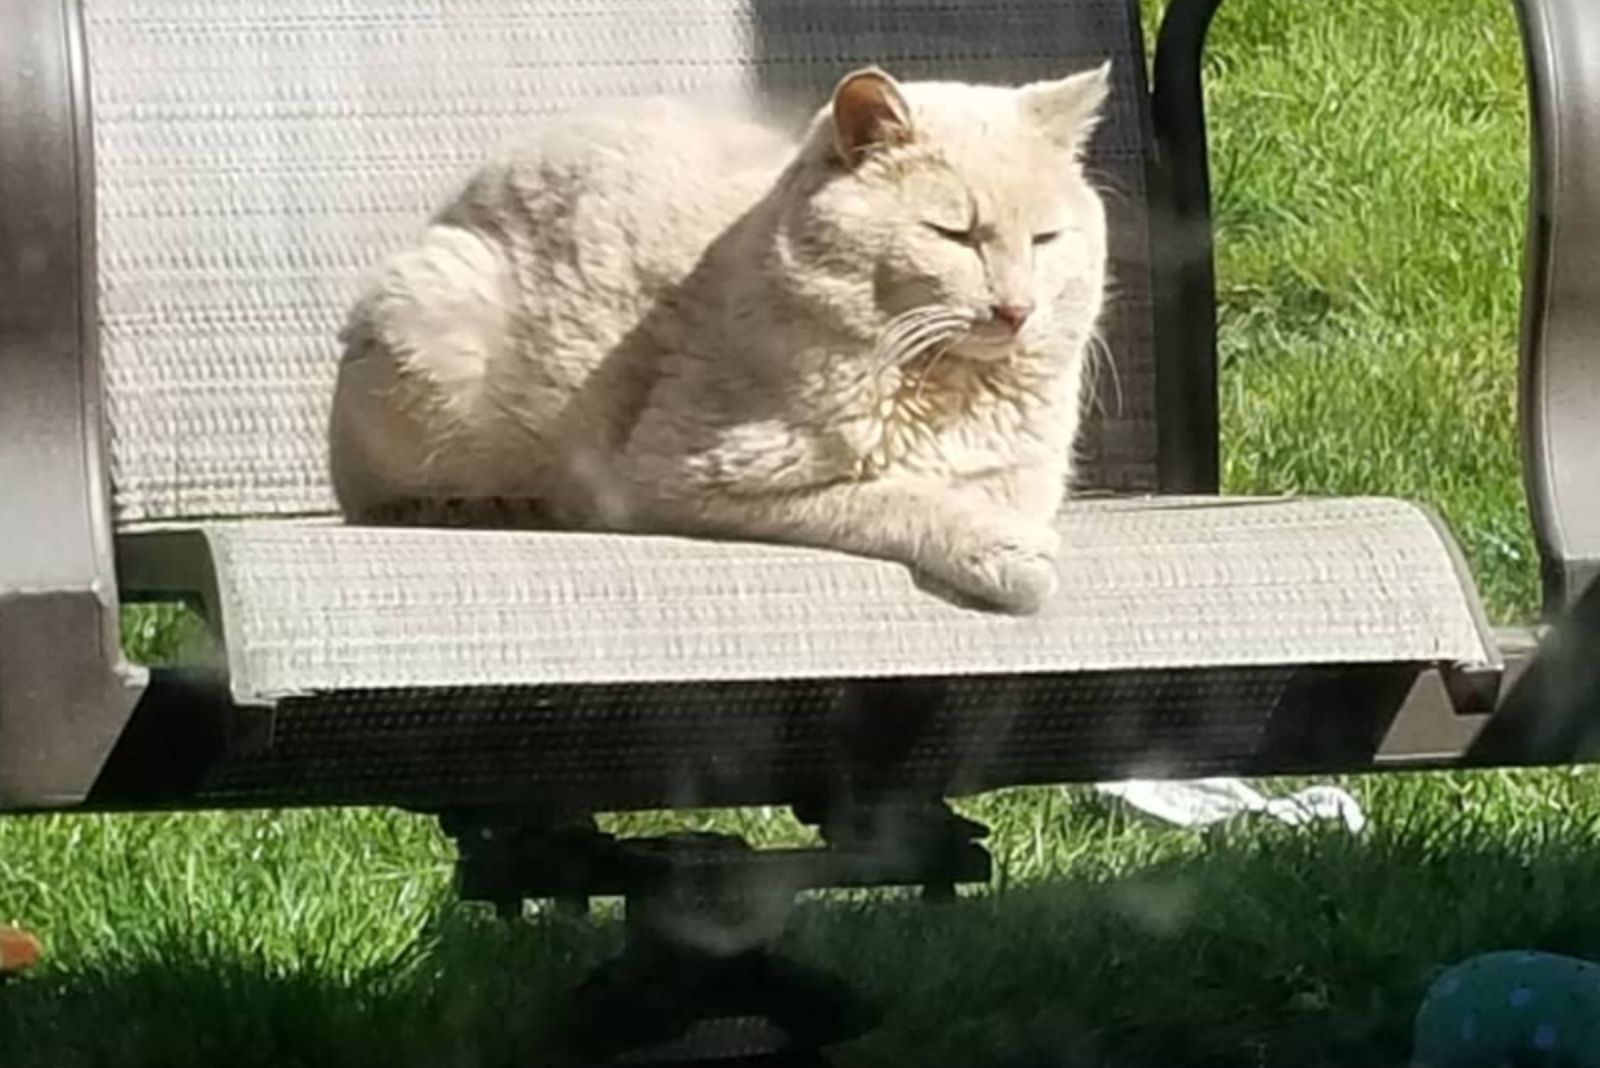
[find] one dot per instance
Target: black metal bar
(561, 864)
(639, 746)
(183, 728)
(1182, 263)
(608, 748)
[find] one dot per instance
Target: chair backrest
(254, 157)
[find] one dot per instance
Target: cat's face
(963, 208)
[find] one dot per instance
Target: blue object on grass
(1523, 1009)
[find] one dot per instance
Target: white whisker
(910, 346)
(912, 332)
(933, 362)
(1099, 359)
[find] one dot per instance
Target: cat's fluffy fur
(665, 319)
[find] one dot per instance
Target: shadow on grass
(475, 992)
(1273, 949)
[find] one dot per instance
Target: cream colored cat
(669, 320)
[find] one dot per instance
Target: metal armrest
(65, 690)
(1560, 374)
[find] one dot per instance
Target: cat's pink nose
(1013, 313)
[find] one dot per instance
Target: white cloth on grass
(1202, 802)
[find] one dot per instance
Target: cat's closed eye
(966, 236)
(969, 236)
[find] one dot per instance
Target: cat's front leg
(992, 555)
(1004, 558)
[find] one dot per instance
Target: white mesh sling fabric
(1146, 584)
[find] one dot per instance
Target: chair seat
(1153, 583)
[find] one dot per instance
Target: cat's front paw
(1009, 566)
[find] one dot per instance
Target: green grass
(331, 938)
(1370, 173)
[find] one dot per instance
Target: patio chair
(190, 192)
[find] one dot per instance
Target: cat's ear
(868, 113)
(1068, 110)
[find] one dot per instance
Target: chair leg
(665, 1001)
(919, 833)
(505, 856)
(699, 979)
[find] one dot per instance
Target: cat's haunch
(672, 318)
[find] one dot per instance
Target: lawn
(1370, 173)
